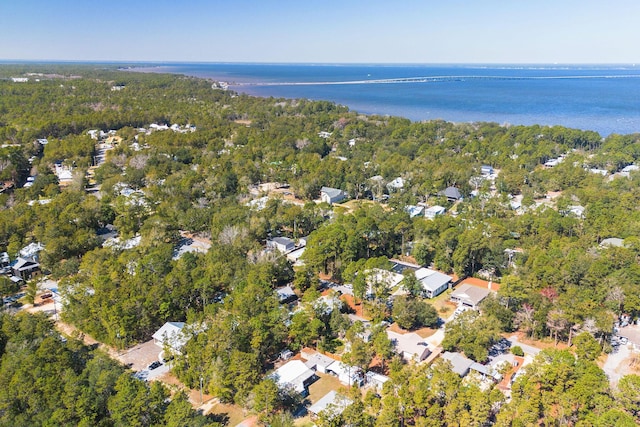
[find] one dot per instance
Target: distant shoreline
(598, 98)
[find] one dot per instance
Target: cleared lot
(140, 356)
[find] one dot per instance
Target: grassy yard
(442, 304)
(324, 385)
(229, 415)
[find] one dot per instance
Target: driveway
(140, 356)
(530, 350)
(618, 364)
(149, 375)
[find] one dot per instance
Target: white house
(347, 375)
(296, 255)
(378, 276)
(282, 244)
(337, 403)
(612, 242)
(433, 282)
(294, 374)
(319, 362)
(332, 195)
(286, 293)
(434, 211)
(414, 211)
(396, 184)
(376, 380)
(411, 346)
(64, 173)
(172, 335)
(486, 170)
(31, 250)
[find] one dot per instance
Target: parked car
(154, 365)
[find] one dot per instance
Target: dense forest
(556, 278)
(49, 380)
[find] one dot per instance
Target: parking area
(151, 374)
(140, 356)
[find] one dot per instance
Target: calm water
(605, 99)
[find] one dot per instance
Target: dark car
(154, 365)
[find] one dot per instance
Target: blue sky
(347, 31)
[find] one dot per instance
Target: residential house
(378, 277)
(336, 403)
(553, 162)
(414, 211)
(486, 170)
(332, 195)
(319, 362)
(286, 294)
(4, 259)
(296, 375)
(459, 364)
(612, 242)
(282, 244)
(64, 174)
(396, 184)
(25, 268)
(433, 282)
(486, 371)
(31, 250)
(434, 211)
(347, 375)
(469, 295)
(171, 334)
(376, 380)
(576, 210)
(296, 255)
(324, 134)
(452, 194)
(411, 346)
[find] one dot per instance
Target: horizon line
(167, 62)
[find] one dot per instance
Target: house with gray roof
(459, 364)
(332, 401)
(319, 362)
(296, 375)
(25, 268)
(411, 346)
(469, 295)
(452, 194)
(286, 294)
(332, 195)
(433, 282)
(434, 211)
(282, 244)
